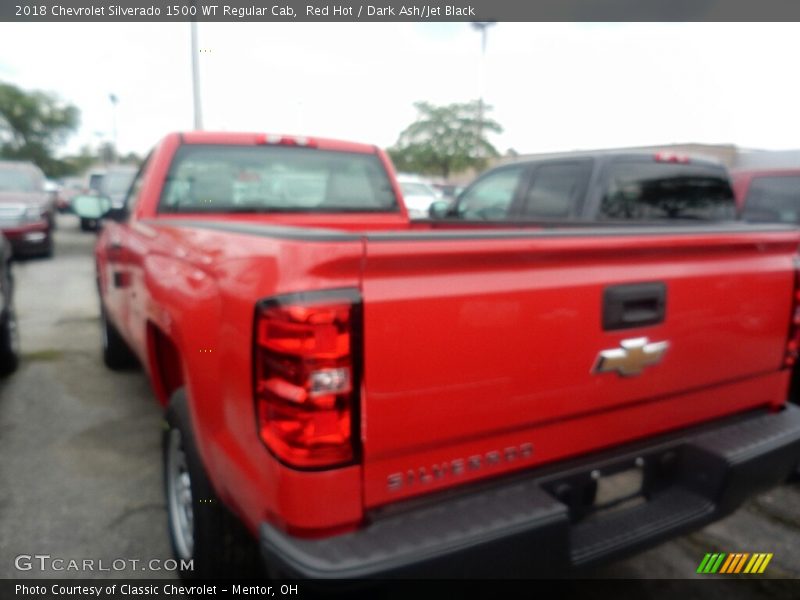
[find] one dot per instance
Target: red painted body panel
(485, 339)
(555, 439)
(470, 345)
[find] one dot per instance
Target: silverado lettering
(458, 466)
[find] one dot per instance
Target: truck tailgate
(481, 348)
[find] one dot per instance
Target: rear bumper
(34, 238)
(537, 524)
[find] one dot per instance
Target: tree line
(442, 140)
(35, 124)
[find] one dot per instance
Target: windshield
(118, 182)
(17, 180)
(416, 189)
(96, 181)
(638, 190)
(275, 178)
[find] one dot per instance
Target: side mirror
(91, 207)
(439, 209)
(116, 214)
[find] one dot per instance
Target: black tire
(201, 529)
(88, 224)
(49, 246)
(9, 341)
(117, 355)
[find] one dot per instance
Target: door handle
(634, 305)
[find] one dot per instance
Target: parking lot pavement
(80, 474)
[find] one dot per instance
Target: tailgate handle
(634, 305)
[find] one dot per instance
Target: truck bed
(480, 343)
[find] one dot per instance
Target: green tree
(81, 162)
(32, 125)
(446, 139)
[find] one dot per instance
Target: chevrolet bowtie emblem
(631, 359)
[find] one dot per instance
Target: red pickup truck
(371, 397)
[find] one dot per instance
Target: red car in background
(26, 210)
(768, 195)
(70, 187)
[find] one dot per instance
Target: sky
(552, 86)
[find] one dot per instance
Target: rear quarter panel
(202, 287)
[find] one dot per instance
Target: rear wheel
(794, 397)
(47, 252)
(88, 224)
(116, 353)
(201, 529)
(9, 332)
(9, 341)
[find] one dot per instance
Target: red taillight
(286, 140)
(793, 342)
(671, 157)
(306, 376)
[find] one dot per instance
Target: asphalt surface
(80, 470)
(80, 473)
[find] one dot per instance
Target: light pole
(114, 101)
(483, 27)
(198, 116)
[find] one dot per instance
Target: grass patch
(47, 355)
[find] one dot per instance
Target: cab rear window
(275, 179)
(640, 191)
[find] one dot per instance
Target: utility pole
(198, 115)
(114, 101)
(483, 27)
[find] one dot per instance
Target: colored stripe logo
(734, 564)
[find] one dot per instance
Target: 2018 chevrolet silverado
(371, 396)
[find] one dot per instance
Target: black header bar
(396, 10)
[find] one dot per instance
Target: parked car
(26, 212)
(52, 188)
(94, 180)
(448, 191)
(768, 195)
(9, 333)
(70, 187)
(370, 396)
(113, 184)
(418, 195)
(592, 187)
